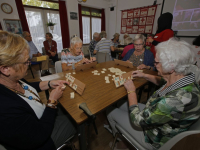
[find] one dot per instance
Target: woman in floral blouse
(173, 108)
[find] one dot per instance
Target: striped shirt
(104, 45)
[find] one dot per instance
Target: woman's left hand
(129, 85)
(142, 66)
(55, 83)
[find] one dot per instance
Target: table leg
(81, 136)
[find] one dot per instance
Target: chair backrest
(103, 57)
(85, 50)
(58, 66)
(43, 51)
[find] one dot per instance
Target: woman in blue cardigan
(139, 56)
(26, 123)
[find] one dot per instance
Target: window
(42, 4)
(37, 19)
(91, 20)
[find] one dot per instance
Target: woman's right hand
(138, 73)
(56, 93)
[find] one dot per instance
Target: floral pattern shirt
(168, 112)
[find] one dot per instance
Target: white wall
(72, 6)
(13, 15)
(115, 22)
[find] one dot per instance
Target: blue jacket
(148, 57)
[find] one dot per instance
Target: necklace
(29, 97)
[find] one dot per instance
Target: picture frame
(73, 16)
(13, 26)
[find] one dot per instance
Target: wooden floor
(97, 142)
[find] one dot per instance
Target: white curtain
(96, 25)
(37, 20)
(55, 18)
(86, 29)
(36, 27)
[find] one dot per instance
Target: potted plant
(51, 25)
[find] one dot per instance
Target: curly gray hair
(175, 55)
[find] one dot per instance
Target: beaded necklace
(29, 97)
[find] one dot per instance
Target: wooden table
(98, 95)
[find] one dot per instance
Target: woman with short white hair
(173, 108)
(73, 56)
(139, 56)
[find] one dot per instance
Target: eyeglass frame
(138, 44)
(25, 63)
(156, 63)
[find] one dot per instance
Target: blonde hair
(12, 47)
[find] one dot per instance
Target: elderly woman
(139, 56)
(73, 56)
(123, 41)
(26, 122)
(51, 47)
(173, 108)
(115, 41)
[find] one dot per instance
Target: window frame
(91, 16)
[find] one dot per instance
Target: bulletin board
(138, 20)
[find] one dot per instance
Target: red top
(50, 46)
(161, 37)
(126, 49)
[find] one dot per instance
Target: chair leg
(31, 71)
(114, 142)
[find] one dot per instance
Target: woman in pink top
(128, 47)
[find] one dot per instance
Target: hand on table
(138, 73)
(55, 83)
(142, 66)
(56, 93)
(129, 85)
(129, 61)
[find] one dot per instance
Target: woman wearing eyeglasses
(172, 109)
(25, 121)
(139, 56)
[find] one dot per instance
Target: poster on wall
(138, 20)
(13, 25)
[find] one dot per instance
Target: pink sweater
(126, 49)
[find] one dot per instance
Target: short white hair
(175, 55)
(96, 34)
(129, 40)
(75, 40)
(139, 37)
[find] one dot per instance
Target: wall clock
(6, 8)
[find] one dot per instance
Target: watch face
(6, 8)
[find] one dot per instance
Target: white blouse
(37, 107)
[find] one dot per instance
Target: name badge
(155, 37)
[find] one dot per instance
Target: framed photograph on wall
(13, 25)
(73, 16)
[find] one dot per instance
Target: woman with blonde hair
(26, 122)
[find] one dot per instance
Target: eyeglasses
(156, 62)
(138, 44)
(25, 63)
